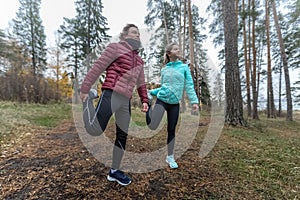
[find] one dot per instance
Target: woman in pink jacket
(124, 70)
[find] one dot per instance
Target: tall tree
(3, 45)
(82, 35)
(292, 42)
(270, 93)
(289, 115)
(246, 59)
(234, 102)
(165, 20)
(56, 64)
(218, 96)
(29, 32)
(191, 39)
(92, 26)
(254, 65)
(71, 44)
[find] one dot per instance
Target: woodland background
(266, 42)
(257, 155)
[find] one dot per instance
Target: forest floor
(53, 163)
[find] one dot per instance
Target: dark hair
(125, 30)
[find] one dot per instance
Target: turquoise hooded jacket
(175, 78)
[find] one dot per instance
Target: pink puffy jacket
(124, 70)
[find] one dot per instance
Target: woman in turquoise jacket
(175, 78)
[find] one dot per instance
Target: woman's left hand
(145, 107)
(195, 107)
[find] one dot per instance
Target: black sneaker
(119, 176)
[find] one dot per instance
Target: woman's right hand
(83, 96)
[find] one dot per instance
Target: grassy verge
(14, 115)
(262, 160)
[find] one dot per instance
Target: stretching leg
(154, 115)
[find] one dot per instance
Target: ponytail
(168, 49)
(166, 58)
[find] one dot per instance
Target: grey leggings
(111, 102)
(155, 115)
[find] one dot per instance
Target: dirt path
(54, 164)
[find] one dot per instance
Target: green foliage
(3, 45)
(29, 32)
(84, 33)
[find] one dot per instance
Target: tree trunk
(270, 95)
(279, 94)
(289, 115)
(184, 29)
(194, 69)
(165, 21)
(234, 108)
(247, 64)
(254, 88)
(182, 45)
(191, 39)
(180, 28)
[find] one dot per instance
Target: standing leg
(122, 123)
(122, 116)
(172, 115)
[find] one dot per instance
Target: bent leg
(104, 109)
(154, 115)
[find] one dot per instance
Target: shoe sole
(114, 179)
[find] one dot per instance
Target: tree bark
(254, 88)
(289, 116)
(270, 95)
(165, 22)
(247, 64)
(191, 39)
(234, 108)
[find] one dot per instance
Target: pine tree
(29, 32)
(292, 42)
(28, 29)
(3, 45)
(234, 102)
(71, 44)
(82, 35)
(218, 96)
(92, 26)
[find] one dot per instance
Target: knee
(152, 126)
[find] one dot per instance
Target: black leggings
(111, 102)
(155, 115)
